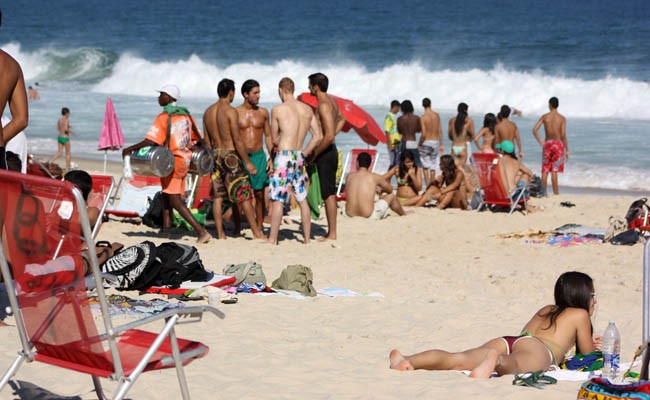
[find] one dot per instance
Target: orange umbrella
(355, 118)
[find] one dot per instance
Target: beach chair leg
(176, 353)
(98, 388)
(516, 201)
(12, 370)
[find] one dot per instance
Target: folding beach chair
(350, 165)
(490, 171)
(201, 191)
(100, 196)
(46, 227)
(135, 196)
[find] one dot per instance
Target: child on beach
(409, 178)
(63, 140)
(543, 341)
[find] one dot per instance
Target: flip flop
(534, 379)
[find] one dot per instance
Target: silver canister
(202, 161)
(153, 161)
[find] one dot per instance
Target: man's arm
(518, 140)
(536, 129)
(327, 125)
(316, 136)
(383, 184)
(267, 130)
(233, 120)
(18, 109)
(138, 146)
(275, 127)
(564, 139)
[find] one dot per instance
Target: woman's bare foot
(398, 362)
(487, 366)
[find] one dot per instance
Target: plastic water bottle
(611, 351)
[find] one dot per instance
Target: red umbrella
(355, 118)
(111, 137)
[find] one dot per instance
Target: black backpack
(153, 218)
(135, 267)
(179, 263)
(637, 208)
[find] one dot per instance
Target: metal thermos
(202, 161)
(153, 161)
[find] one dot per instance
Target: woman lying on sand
(448, 189)
(409, 179)
(543, 341)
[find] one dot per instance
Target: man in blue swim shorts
(289, 125)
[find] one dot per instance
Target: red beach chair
(350, 165)
(100, 196)
(46, 228)
(495, 191)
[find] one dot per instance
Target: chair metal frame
(29, 352)
(100, 181)
(348, 167)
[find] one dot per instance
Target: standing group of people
(242, 176)
(425, 156)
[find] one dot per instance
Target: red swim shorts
(553, 156)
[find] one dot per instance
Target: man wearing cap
(517, 175)
(175, 128)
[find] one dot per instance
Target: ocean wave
(485, 90)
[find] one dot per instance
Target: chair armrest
(186, 315)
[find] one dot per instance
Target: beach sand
(447, 282)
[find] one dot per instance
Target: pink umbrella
(111, 137)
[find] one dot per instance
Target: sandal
(533, 379)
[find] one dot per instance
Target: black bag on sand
(134, 267)
(535, 187)
(636, 209)
(628, 237)
(153, 218)
(178, 263)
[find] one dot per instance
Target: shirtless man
(555, 146)
(515, 174)
(289, 125)
(408, 124)
(33, 94)
(229, 178)
(360, 189)
(431, 145)
(254, 125)
(12, 91)
(507, 130)
(325, 155)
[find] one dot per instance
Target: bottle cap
(611, 321)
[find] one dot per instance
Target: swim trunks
(229, 177)
(553, 156)
(380, 210)
(288, 169)
(412, 146)
(63, 139)
(326, 164)
(430, 154)
(260, 180)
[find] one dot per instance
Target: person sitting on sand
(83, 181)
(409, 179)
(487, 133)
(448, 189)
(551, 332)
(360, 189)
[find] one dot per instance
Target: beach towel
(314, 198)
(214, 280)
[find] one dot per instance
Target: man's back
(505, 130)
(408, 125)
(360, 192)
(430, 122)
(294, 119)
(227, 121)
(553, 123)
(210, 126)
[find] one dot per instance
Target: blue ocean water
(593, 56)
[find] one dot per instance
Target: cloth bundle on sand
(563, 236)
(126, 307)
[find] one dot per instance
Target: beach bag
(250, 272)
(628, 237)
(477, 199)
(153, 217)
(637, 209)
(602, 389)
(535, 187)
(179, 263)
(298, 278)
(134, 267)
(616, 225)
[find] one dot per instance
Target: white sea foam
(483, 89)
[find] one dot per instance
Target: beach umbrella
(355, 118)
(111, 137)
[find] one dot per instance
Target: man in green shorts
(254, 127)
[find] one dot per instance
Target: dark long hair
(572, 289)
(449, 170)
(406, 154)
(490, 121)
(460, 118)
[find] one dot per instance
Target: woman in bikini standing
(551, 332)
(487, 133)
(461, 131)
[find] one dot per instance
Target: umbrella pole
(105, 155)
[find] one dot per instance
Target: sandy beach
(446, 279)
